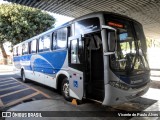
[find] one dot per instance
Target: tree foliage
(18, 23)
(152, 43)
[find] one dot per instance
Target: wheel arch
(60, 77)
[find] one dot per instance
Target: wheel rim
(66, 89)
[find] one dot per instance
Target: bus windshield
(130, 56)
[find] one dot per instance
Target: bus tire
(23, 76)
(65, 89)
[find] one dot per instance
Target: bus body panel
(76, 82)
(116, 96)
(42, 68)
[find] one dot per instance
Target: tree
(152, 43)
(18, 23)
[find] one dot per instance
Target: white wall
(154, 57)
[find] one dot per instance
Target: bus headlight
(119, 85)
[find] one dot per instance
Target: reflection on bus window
(41, 42)
(44, 43)
(62, 38)
(14, 52)
(19, 50)
(33, 46)
(112, 41)
(54, 39)
(47, 42)
(74, 52)
(25, 48)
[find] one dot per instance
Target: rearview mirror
(112, 38)
(111, 41)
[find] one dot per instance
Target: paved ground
(14, 92)
(148, 102)
(6, 68)
(141, 104)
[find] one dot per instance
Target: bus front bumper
(115, 96)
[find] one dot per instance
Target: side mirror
(112, 38)
(112, 41)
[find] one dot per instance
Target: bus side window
(44, 43)
(41, 42)
(33, 46)
(20, 50)
(47, 42)
(54, 40)
(25, 48)
(72, 29)
(61, 38)
(15, 51)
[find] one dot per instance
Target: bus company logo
(136, 81)
(6, 114)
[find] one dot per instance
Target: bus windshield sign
(114, 24)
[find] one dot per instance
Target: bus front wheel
(65, 89)
(23, 76)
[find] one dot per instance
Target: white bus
(99, 56)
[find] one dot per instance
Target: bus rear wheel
(65, 89)
(23, 76)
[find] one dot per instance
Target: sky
(60, 19)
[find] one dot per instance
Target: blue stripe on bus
(48, 62)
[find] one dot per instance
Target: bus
(100, 56)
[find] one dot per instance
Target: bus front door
(94, 67)
(76, 58)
